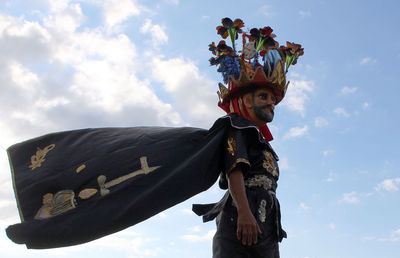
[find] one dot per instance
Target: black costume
(245, 147)
(261, 63)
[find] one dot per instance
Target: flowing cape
(76, 186)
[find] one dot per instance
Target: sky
(70, 64)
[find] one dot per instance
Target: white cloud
(136, 246)
(320, 122)
(351, 197)
(296, 132)
(367, 60)
(195, 229)
(389, 185)
(332, 226)
(393, 237)
(366, 105)
(347, 90)
(117, 11)
(304, 207)
(175, 2)
(332, 177)
(64, 19)
(161, 215)
(23, 40)
(341, 112)
(266, 10)
(98, 76)
(327, 152)
(187, 211)
(57, 5)
(23, 78)
(158, 34)
(297, 95)
(193, 94)
(199, 238)
(284, 163)
(273, 128)
(303, 13)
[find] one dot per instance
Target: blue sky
(89, 63)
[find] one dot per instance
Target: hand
(247, 228)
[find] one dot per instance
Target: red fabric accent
(224, 106)
(236, 106)
(264, 130)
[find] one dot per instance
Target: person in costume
(248, 216)
(76, 186)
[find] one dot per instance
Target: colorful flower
(213, 48)
(221, 50)
(292, 52)
(230, 28)
(295, 49)
(224, 49)
(263, 38)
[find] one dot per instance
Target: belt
(259, 181)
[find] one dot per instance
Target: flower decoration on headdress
(261, 62)
(229, 64)
(292, 52)
(263, 38)
(230, 28)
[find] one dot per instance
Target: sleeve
(235, 154)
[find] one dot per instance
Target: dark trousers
(226, 244)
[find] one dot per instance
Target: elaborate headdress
(260, 63)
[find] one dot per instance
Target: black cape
(77, 186)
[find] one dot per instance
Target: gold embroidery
(240, 160)
(261, 211)
(87, 193)
(56, 204)
(231, 146)
(269, 163)
(38, 158)
(80, 168)
(144, 170)
(259, 181)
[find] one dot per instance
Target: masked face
(264, 104)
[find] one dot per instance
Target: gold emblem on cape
(269, 163)
(87, 193)
(231, 146)
(144, 170)
(56, 204)
(39, 157)
(80, 168)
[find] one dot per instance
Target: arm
(247, 227)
